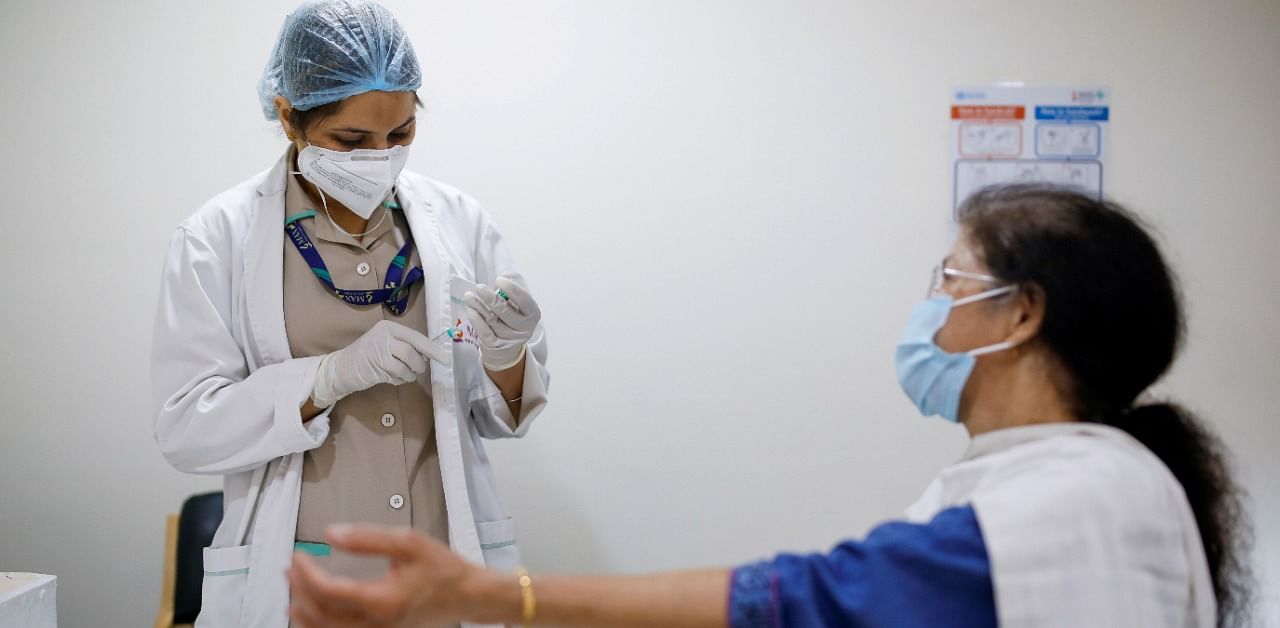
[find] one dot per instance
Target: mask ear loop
(999, 346)
(982, 296)
(325, 203)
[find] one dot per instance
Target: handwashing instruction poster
(1023, 134)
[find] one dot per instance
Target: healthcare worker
(335, 336)
(1077, 503)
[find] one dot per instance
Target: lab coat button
(388, 420)
(397, 501)
(362, 269)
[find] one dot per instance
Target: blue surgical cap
(329, 50)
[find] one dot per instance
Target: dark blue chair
(186, 536)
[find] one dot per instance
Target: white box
(28, 600)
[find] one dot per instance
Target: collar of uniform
(296, 200)
(999, 440)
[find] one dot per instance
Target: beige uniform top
(379, 464)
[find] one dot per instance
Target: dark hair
(303, 120)
(1113, 320)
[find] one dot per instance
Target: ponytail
(1198, 460)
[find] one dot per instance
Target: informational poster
(1013, 133)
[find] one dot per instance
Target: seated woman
(1078, 503)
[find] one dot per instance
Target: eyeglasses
(941, 273)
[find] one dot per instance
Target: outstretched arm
(902, 574)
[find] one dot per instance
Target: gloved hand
(389, 353)
(504, 316)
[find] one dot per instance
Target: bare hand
(425, 586)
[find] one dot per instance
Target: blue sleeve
(902, 574)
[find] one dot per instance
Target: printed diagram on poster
(1011, 133)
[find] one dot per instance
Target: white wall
(726, 209)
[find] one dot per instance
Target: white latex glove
(504, 316)
(389, 353)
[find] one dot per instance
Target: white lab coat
(227, 391)
(1083, 526)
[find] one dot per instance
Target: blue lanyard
(393, 294)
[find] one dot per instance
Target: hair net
(329, 50)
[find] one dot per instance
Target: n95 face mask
(359, 179)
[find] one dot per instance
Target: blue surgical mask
(932, 378)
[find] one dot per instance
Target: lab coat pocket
(498, 543)
(226, 572)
